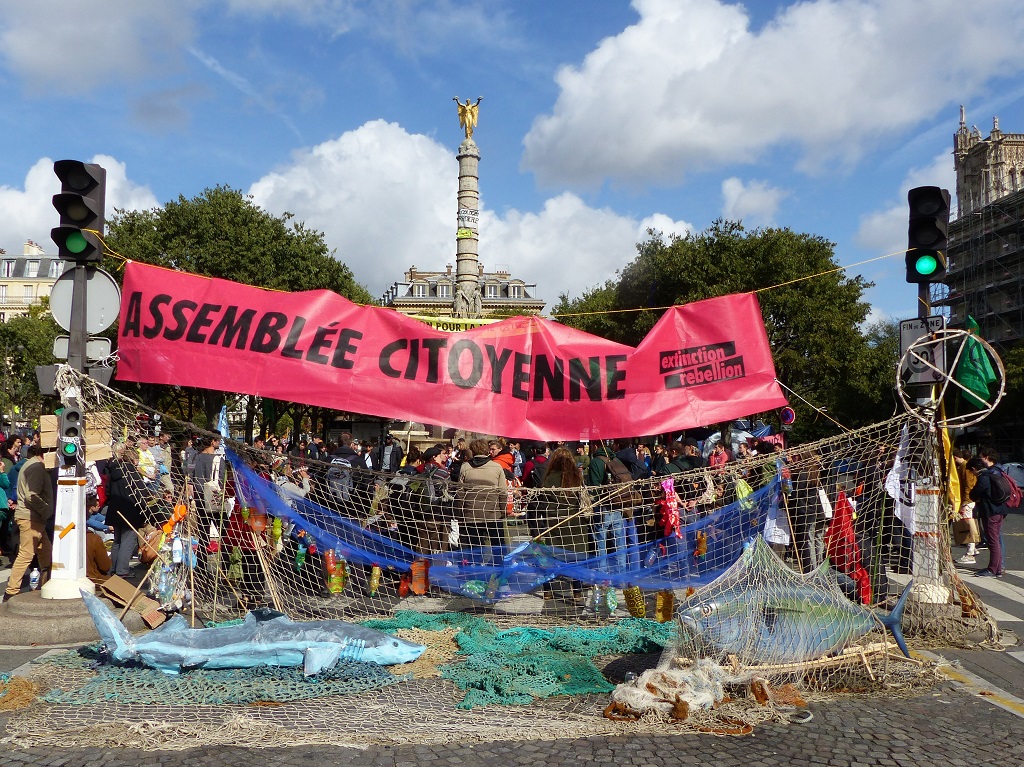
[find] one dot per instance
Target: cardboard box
(97, 429)
(121, 592)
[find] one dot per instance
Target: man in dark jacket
(33, 510)
(626, 453)
(388, 457)
(986, 498)
(678, 462)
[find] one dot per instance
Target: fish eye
(394, 644)
(706, 610)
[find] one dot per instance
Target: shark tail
(894, 620)
(115, 636)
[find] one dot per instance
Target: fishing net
(319, 539)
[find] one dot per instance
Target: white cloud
(691, 86)
(885, 230)
(386, 200)
(57, 46)
(28, 214)
(754, 203)
(567, 247)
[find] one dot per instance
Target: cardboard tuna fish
(761, 611)
(264, 638)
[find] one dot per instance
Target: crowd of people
(480, 493)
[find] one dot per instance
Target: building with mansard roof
(432, 294)
(26, 280)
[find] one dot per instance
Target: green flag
(974, 371)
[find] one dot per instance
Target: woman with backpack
(990, 497)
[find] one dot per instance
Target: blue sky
(599, 119)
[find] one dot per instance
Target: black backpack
(1004, 490)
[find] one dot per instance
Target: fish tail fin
(115, 636)
(894, 620)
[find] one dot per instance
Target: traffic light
(83, 189)
(926, 236)
(71, 432)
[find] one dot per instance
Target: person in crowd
(693, 456)
(483, 496)
(8, 547)
(97, 560)
(127, 501)
(460, 458)
(389, 456)
(344, 458)
(294, 482)
(984, 467)
(209, 477)
(660, 458)
(676, 462)
(626, 453)
(10, 451)
(502, 456)
(719, 456)
(413, 461)
(517, 460)
(968, 508)
(597, 470)
(538, 456)
(147, 462)
(806, 513)
(160, 448)
(33, 511)
(567, 528)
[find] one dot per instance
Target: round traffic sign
(788, 416)
(102, 299)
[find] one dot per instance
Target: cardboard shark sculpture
(264, 638)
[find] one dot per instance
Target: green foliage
(222, 233)
(813, 325)
(25, 342)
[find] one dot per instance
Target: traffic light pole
(924, 302)
(79, 214)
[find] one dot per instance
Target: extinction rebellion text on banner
(701, 365)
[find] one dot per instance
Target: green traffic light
(70, 448)
(76, 242)
(926, 265)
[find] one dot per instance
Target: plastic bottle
(177, 551)
(33, 579)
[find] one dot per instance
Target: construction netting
(757, 581)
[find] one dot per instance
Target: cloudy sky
(600, 119)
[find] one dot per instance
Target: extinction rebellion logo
(698, 365)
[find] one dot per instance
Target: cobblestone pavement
(946, 727)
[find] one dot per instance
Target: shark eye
(706, 610)
(394, 644)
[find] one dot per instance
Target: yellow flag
(952, 475)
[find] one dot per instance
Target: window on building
(419, 290)
(515, 291)
(444, 290)
(32, 269)
(8, 268)
(56, 267)
(29, 294)
(3, 294)
(492, 291)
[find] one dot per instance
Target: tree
(813, 325)
(222, 233)
(25, 342)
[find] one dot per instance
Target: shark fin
(894, 620)
(193, 662)
(120, 644)
(316, 659)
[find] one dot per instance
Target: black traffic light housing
(83, 190)
(70, 434)
(927, 234)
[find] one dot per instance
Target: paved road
(945, 727)
(960, 724)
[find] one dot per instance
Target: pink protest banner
(526, 376)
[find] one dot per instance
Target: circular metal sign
(788, 416)
(102, 299)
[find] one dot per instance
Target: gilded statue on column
(468, 114)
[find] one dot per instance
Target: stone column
(467, 237)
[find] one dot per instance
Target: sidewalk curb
(976, 686)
